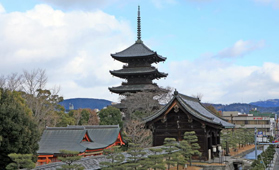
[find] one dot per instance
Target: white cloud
(2, 9)
(74, 48)
(240, 48)
(222, 82)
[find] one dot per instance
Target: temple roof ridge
(193, 106)
(66, 128)
(82, 127)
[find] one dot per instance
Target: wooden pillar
(154, 139)
(206, 145)
(218, 139)
(179, 135)
(210, 141)
(215, 138)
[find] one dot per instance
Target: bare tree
(144, 103)
(31, 81)
(41, 101)
(2, 81)
(139, 105)
(11, 82)
(137, 133)
(198, 96)
(93, 118)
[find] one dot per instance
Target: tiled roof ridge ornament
(139, 41)
(175, 93)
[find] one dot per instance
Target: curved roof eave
(189, 109)
(126, 59)
(214, 119)
(123, 74)
(194, 113)
(154, 116)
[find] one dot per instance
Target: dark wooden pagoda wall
(175, 124)
(143, 79)
(139, 63)
(139, 79)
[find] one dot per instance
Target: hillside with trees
(243, 108)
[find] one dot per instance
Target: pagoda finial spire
(139, 27)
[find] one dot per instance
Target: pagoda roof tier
(125, 72)
(132, 88)
(137, 51)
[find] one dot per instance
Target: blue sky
(225, 50)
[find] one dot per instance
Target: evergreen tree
(180, 160)
(0, 140)
(114, 157)
(110, 116)
(136, 154)
(154, 160)
(185, 152)
(20, 161)
(64, 119)
(69, 157)
(170, 147)
(18, 129)
(192, 138)
(228, 139)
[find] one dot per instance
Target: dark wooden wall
(177, 122)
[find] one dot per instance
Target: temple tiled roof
(195, 108)
(138, 71)
(137, 50)
(70, 138)
(132, 88)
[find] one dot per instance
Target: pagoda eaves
(138, 71)
(133, 88)
(138, 51)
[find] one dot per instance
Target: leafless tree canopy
(198, 95)
(31, 81)
(139, 105)
(28, 82)
(12, 82)
(145, 102)
(2, 81)
(93, 118)
(137, 133)
(32, 84)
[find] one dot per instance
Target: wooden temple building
(183, 114)
(87, 140)
(138, 70)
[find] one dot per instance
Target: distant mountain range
(82, 103)
(267, 103)
(271, 105)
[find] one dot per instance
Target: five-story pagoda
(138, 70)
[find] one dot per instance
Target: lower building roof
(55, 139)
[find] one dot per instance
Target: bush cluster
(264, 159)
